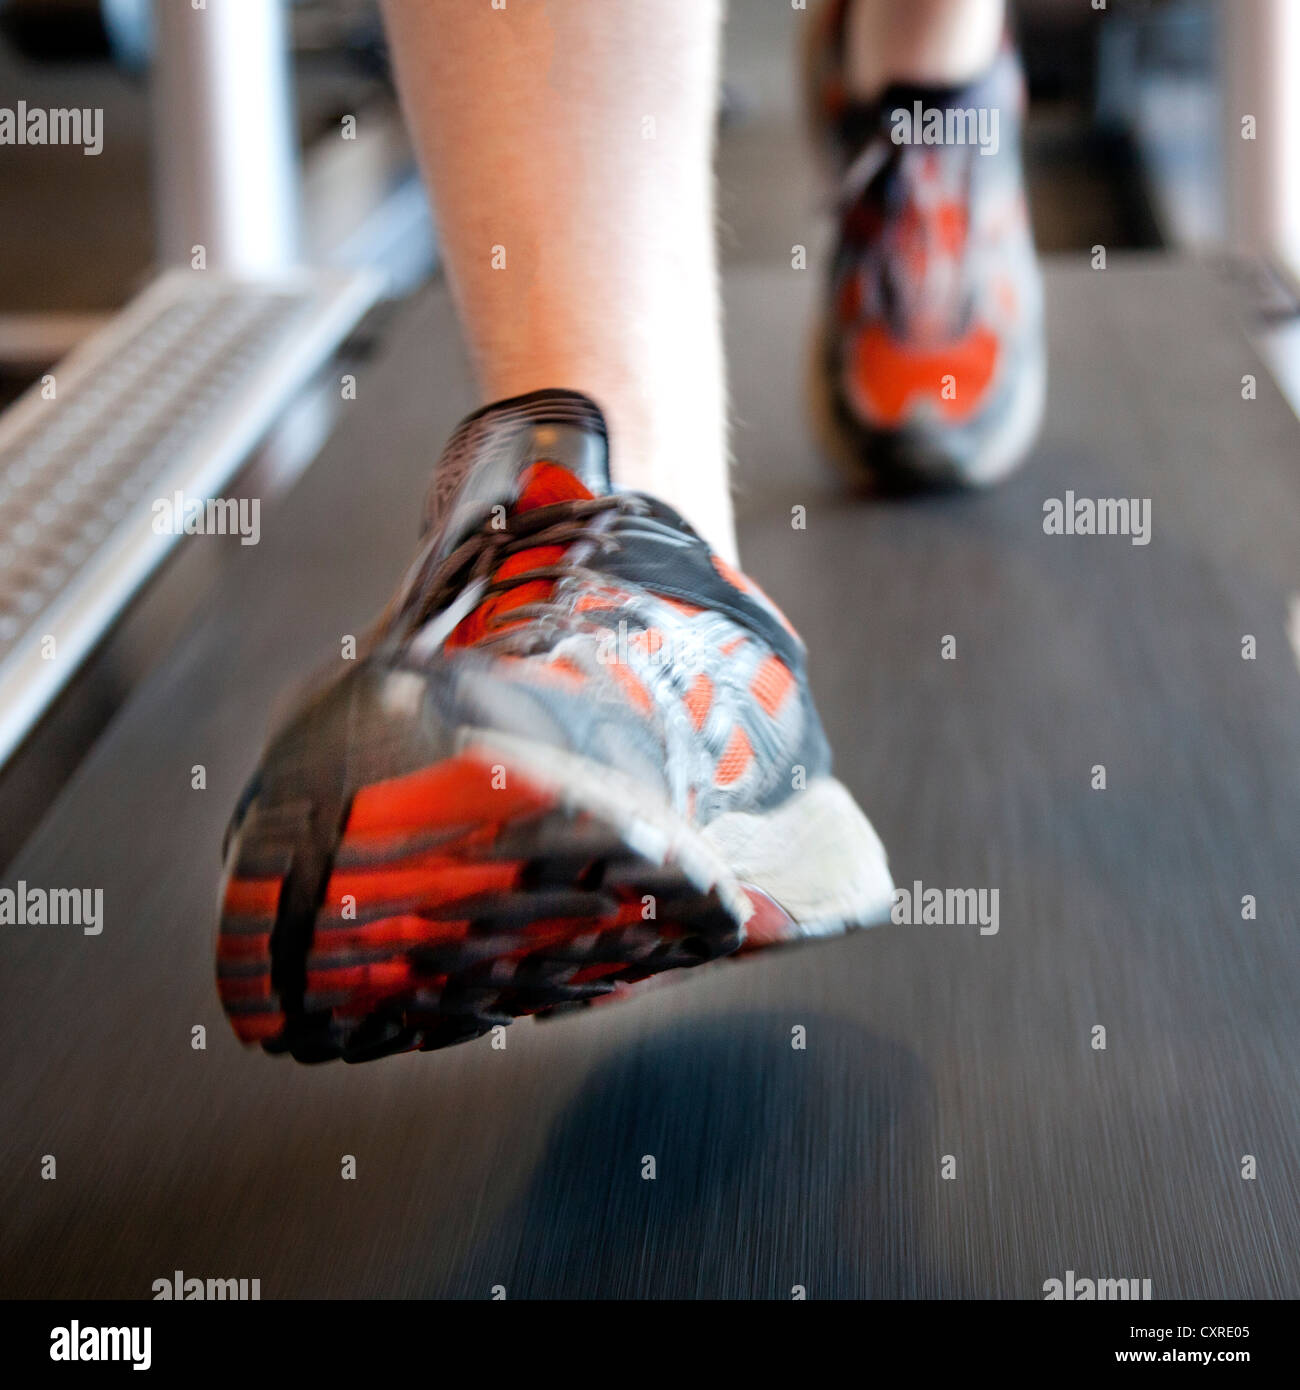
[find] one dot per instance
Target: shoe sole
(506, 880)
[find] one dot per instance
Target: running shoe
(578, 750)
(928, 366)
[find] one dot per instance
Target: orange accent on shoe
(559, 669)
(732, 646)
(378, 978)
(733, 576)
(632, 687)
(594, 972)
(886, 376)
(489, 614)
(772, 684)
(429, 885)
(601, 601)
(245, 987)
(252, 897)
(746, 585)
(735, 759)
(569, 670)
(542, 484)
(650, 642)
(951, 220)
(698, 700)
(768, 924)
(251, 1028)
(404, 929)
(458, 791)
(237, 946)
(1008, 300)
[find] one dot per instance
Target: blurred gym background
(1127, 135)
(270, 133)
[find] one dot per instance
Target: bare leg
(568, 146)
(930, 42)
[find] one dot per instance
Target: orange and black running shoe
(578, 750)
(929, 363)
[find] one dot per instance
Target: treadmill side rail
(170, 397)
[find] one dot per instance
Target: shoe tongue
(525, 452)
(543, 483)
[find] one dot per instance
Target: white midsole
(816, 855)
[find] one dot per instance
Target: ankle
(669, 441)
(925, 42)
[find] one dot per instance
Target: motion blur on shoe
(928, 366)
(578, 751)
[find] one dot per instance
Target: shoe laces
(922, 278)
(436, 596)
